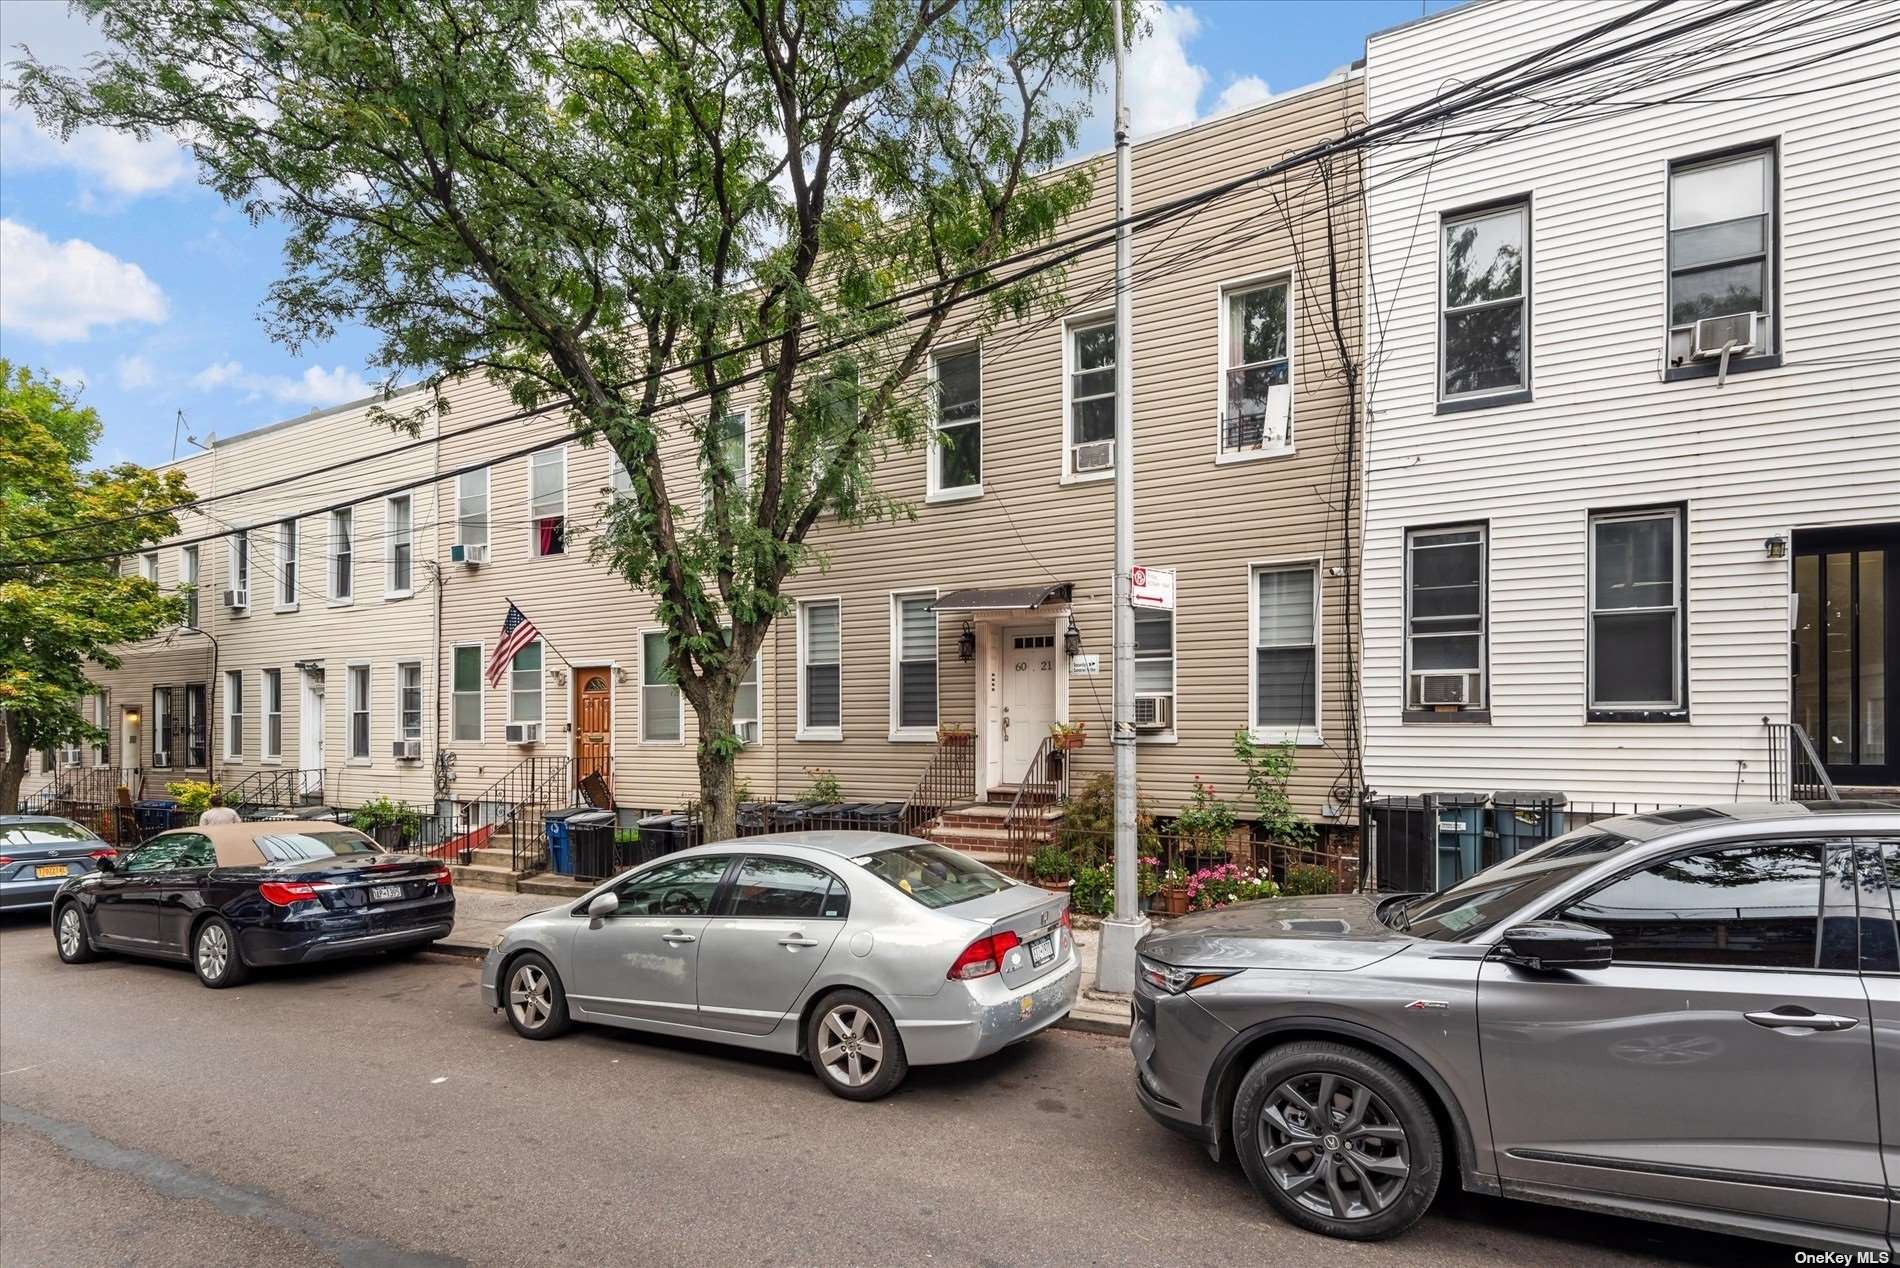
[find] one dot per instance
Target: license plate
(50, 869)
(1042, 950)
(384, 893)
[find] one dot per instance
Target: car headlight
(1172, 980)
(499, 939)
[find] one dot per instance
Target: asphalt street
(375, 1114)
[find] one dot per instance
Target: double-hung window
(913, 666)
(342, 555)
(1638, 654)
(197, 725)
(1154, 671)
(745, 706)
(273, 715)
(399, 547)
(100, 712)
(466, 692)
(233, 715)
(547, 500)
(835, 417)
(188, 582)
(1091, 399)
(287, 564)
(240, 561)
(471, 509)
(1484, 339)
(409, 700)
(148, 566)
(956, 450)
(164, 723)
(524, 684)
(662, 714)
(1445, 618)
(820, 705)
(1722, 248)
(1256, 391)
(733, 453)
(357, 702)
(1286, 651)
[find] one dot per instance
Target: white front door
(310, 750)
(129, 755)
(1030, 662)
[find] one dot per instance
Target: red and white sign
(1151, 587)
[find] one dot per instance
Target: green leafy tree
(58, 622)
(572, 195)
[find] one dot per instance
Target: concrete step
(477, 876)
(491, 857)
(554, 886)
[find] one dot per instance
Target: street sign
(1088, 664)
(1151, 587)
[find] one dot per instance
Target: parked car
(38, 853)
(865, 952)
(1691, 1016)
(237, 896)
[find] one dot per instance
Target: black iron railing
(276, 791)
(1423, 843)
(517, 804)
(949, 780)
(90, 795)
(1045, 785)
(1795, 772)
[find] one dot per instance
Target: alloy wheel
(531, 996)
(70, 934)
(1334, 1146)
(853, 1047)
(214, 952)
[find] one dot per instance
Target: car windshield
(290, 847)
(1473, 905)
(934, 875)
(43, 833)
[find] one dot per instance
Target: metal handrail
(949, 780)
(527, 791)
(280, 789)
(1805, 777)
(1045, 783)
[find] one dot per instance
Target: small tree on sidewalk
(60, 621)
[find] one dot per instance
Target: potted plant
(1174, 891)
(1148, 882)
(393, 824)
(1204, 825)
(955, 734)
(1064, 736)
(1051, 867)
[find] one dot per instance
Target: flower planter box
(1174, 901)
(956, 739)
(1063, 743)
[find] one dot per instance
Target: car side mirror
(603, 905)
(1548, 945)
(105, 864)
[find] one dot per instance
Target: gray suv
(1690, 1016)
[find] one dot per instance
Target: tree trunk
(13, 770)
(718, 794)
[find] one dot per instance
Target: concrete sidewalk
(481, 915)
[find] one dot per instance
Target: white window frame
(1225, 294)
(188, 566)
(757, 719)
(1301, 736)
(355, 672)
(1483, 668)
(461, 516)
(233, 717)
(391, 543)
(803, 731)
(935, 491)
(899, 733)
(101, 711)
(534, 532)
(1677, 709)
(1172, 734)
(161, 727)
(541, 686)
(480, 693)
(237, 551)
(1769, 150)
(743, 476)
(422, 703)
(1522, 205)
(1071, 327)
(287, 555)
(347, 518)
(270, 683)
(679, 697)
(148, 565)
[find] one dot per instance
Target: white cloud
(58, 291)
(315, 388)
(217, 375)
(135, 372)
(1248, 90)
(72, 376)
(1164, 84)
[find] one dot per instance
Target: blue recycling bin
(560, 851)
(1523, 819)
(154, 814)
(1459, 823)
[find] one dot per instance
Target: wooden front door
(594, 725)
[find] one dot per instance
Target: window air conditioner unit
(161, 758)
(1154, 713)
(1097, 455)
(748, 732)
(1735, 334)
(523, 733)
(1436, 689)
(406, 750)
(237, 600)
(468, 556)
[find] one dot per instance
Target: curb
(458, 950)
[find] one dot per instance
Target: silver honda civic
(1690, 1016)
(865, 952)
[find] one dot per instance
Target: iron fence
(1795, 771)
(1425, 842)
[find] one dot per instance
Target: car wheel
(69, 935)
(533, 999)
(214, 954)
(1337, 1140)
(855, 1047)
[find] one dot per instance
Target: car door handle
(1779, 1020)
(798, 942)
(676, 937)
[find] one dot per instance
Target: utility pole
(1115, 963)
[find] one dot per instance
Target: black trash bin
(659, 834)
(590, 844)
(1404, 855)
(879, 816)
(824, 816)
(756, 818)
(155, 814)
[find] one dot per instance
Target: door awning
(1003, 598)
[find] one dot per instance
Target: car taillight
(1065, 920)
(107, 853)
(285, 893)
(983, 957)
(443, 877)
(4, 860)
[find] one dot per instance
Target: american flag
(517, 631)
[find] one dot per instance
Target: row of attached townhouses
(1550, 544)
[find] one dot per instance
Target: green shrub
(193, 796)
(382, 812)
(1308, 878)
(825, 788)
(1269, 770)
(1051, 863)
(1094, 891)
(1088, 823)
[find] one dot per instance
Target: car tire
(70, 937)
(215, 957)
(854, 1046)
(1367, 1173)
(533, 998)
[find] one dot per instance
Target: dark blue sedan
(232, 897)
(38, 853)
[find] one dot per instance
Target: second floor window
(241, 568)
(1256, 396)
(471, 508)
(1091, 393)
(1445, 618)
(547, 501)
(342, 554)
(820, 708)
(1484, 340)
(1721, 247)
(956, 451)
(732, 448)
(287, 564)
(148, 566)
(188, 580)
(1637, 654)
(466, 689)
(399, 546)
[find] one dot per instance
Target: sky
(120, 272)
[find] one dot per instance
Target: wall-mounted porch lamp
(966, 641)
(1072, 640)
(1776, 546)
